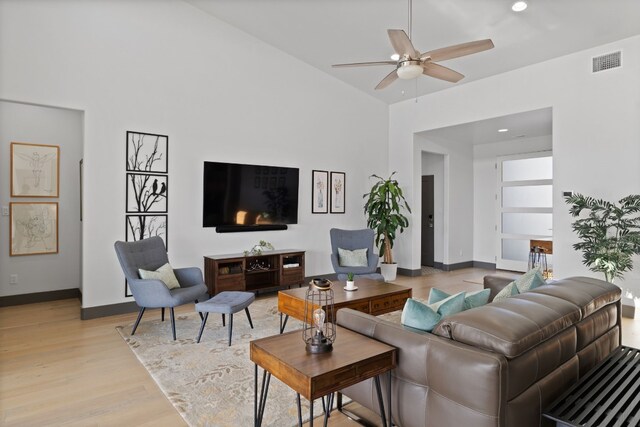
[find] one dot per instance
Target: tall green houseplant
(609, 233)
(383, 209)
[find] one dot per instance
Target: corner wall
(219, 94)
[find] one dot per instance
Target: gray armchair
(150, 254)
(354, 239)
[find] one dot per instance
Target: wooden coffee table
(354, 358)
(372, 297)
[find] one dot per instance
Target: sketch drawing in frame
(34, 228)
(147, 193)
(319, 193)
(337, 192)
(35, 170)
(147, 152)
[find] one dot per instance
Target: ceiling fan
(411, 63)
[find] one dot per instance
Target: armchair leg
(163, 314)
(246, 310)
(173, 323)
(230, 327)
(223, 320)
(135, 326)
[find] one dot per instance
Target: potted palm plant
(609, 233)
(383, 209)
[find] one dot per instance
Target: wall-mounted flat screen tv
(249, 195)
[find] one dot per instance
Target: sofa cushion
(588, 294)
(511, 326)
(419, 316)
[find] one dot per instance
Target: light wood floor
(56, 369)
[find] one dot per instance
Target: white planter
(389, 271)
(351, 284)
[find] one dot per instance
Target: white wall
(51, 126)
(595, 135)
(218, 93)
(433, 164)
(485, 179)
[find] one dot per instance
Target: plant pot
(389, 271)
(351, 284)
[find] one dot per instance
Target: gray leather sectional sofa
(496, 365)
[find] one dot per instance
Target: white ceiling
(529, 124)
(325, 32)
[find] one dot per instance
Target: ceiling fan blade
(440, 72)
(458, 50)
(390, 78)
(365, 64)
(401, 43)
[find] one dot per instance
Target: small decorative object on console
(351, 286)
(257, 249)
(319, 330)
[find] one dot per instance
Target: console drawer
(230, 284)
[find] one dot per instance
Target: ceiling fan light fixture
(409, 71)
(395, 57)
(519, 6)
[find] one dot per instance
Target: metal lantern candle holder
(319, 331)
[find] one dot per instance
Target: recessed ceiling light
(503, 130)
(395, 57)
(519, 6)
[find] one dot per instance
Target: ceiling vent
(607, 62)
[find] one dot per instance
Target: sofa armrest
(441, 382)
(496, 284)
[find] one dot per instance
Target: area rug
(210, 383)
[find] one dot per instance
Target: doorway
(428, 243)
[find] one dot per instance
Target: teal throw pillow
(476, 299)
(354, 258)
(530, 280)
(450, 305)
(471, 299)
(419, 316)
(508, 291)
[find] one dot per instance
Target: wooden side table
(354, 358)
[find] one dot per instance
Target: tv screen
(236, 194)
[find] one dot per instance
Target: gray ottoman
(226, 303)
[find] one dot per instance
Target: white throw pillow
(354, 258)
(164, 273)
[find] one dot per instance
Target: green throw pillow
(354, 258)
(476, 299)
(419, 316)
(471, 299)
(164, 273)
(530, 280)
(508, 291)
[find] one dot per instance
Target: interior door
(427, 221)
(525, 207)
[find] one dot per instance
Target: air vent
(607, 62)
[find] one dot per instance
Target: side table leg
(283, 325)
(299, 410)
(380, 401)
(311, 413)
(259, 404)
(389, 400)
(339, 401)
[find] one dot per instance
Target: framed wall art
(319, 192)
(147, 193)
(147, 152)
(140, 227)
(34, 228)
(35, 170)
(337, 198)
